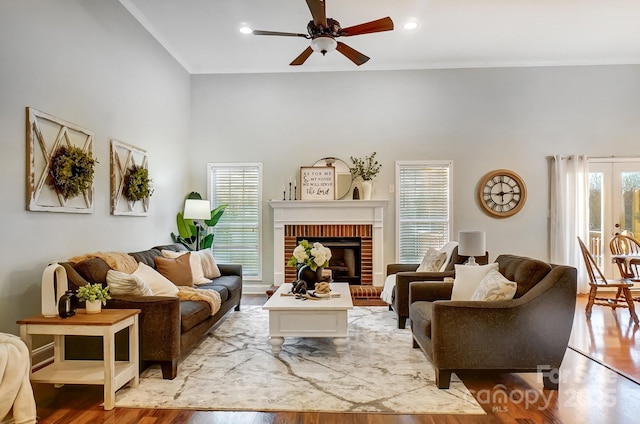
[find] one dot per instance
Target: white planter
(93, 306)
(367, 187)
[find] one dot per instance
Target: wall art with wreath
(131, 187)
(60, 165)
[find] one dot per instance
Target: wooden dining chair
(597, 280)
(621, 244)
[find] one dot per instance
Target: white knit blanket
(212, 297)
(17, 404)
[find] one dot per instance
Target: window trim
(421, 163)
(258, 165)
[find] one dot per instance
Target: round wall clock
(502, 193)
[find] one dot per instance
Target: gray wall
(482, 119)
(88, 62)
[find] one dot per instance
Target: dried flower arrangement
(366, 168)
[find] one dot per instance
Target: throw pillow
(468, 278)
(197, 274)
(432, 261)
(177, 270)
(495, 286)
(158, 284)
(448, 249)
(209, 265)
(121, 283)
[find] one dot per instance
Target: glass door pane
(596, 234)
(628, 218)
(614, 207)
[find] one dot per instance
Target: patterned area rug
(233, 369)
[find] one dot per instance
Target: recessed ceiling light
(410, 25)
(245, 29)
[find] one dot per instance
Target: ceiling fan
(323, 32)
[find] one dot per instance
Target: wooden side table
(109, 372)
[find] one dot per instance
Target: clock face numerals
(502, 193)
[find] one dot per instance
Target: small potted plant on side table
(94, 296)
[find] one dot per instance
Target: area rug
(233, 369)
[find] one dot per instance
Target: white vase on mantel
(367, 187)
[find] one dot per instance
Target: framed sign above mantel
(317, 183)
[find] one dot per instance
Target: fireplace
(346, 252)
(352, 241)
(339, 225)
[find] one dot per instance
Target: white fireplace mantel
(318, 212)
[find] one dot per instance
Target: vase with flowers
(310, 259)
(365, 169)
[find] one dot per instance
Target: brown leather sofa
(168, 327)
(406, 273)
(528, 333)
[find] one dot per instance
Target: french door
(614, 206)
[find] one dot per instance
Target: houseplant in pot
(365, 169)
(94, 296)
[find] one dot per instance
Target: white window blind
(237, 237)
(423, 205)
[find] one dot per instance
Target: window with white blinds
(423, 202)
(237, 236)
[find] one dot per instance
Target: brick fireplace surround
(338, 218)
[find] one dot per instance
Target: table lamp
(197, 209)
(471, 244)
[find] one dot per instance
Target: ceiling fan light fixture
(324, 44)
(412, 24)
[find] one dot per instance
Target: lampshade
(471, 243)
(197, 209)
(324, 44)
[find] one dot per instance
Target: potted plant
(187, 227)
(366, 169)
(94, 295)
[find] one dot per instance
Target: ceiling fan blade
(318, 11)
(384, 24)
(303, 57)
(352, 54)
(283, 34)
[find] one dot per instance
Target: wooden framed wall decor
(47, 136)
(126, 158)
(317, 183)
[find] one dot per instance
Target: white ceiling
(203, 35)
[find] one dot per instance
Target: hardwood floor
(589, 391)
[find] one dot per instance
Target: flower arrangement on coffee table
(312, 255)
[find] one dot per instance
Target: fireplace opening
(346, 257)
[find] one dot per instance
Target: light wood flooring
(590, 392)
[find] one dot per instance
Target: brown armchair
(528, 333)
(406, 273)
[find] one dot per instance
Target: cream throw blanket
(119, 261)
(16, 394)
(212, 297)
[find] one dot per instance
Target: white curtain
(569, 213)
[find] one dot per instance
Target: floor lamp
(197, 209)
(471, 244)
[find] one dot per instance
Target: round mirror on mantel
(344, 180)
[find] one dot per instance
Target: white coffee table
(291, 317)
